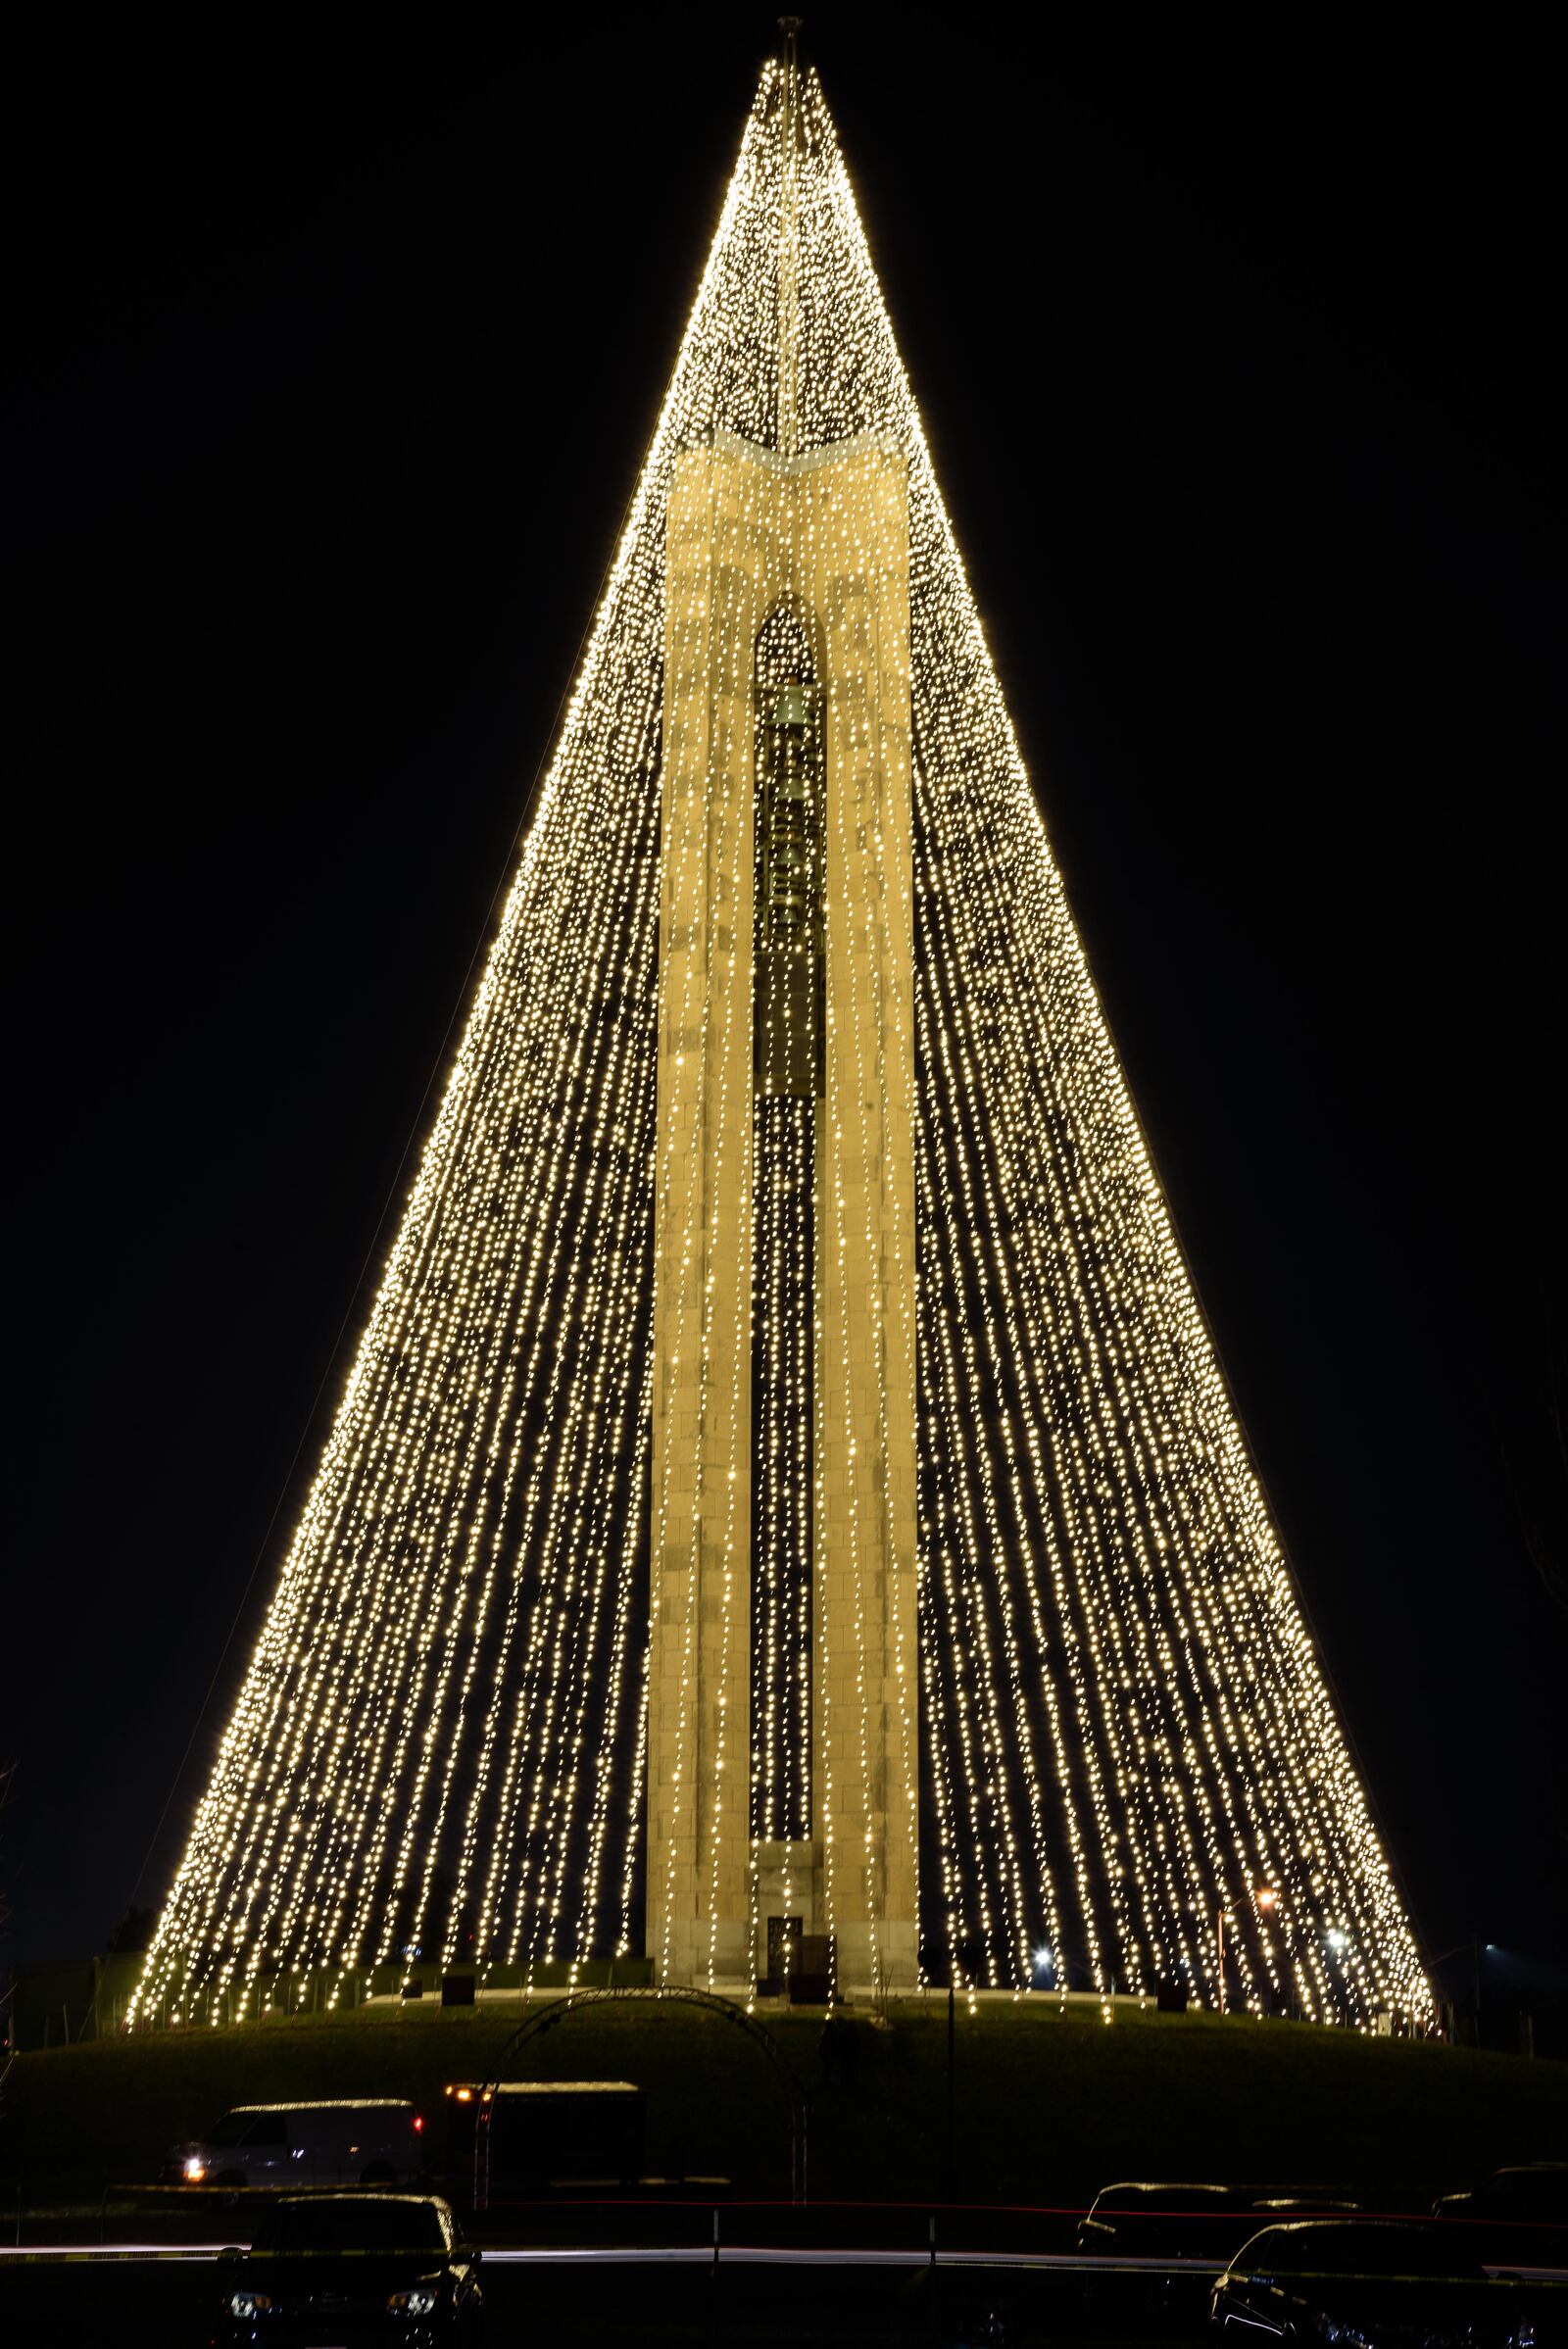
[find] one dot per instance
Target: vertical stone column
(831, 528)
(698, 1762)
(855, 533)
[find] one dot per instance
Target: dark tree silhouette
(134, 1932)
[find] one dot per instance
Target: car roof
(1178, 2185)
(332, 2104)
(567, 2087)
(377, 2195)
(1236, 2196)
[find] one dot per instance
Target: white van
(347, 2142)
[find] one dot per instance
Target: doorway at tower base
(790, 1931)
(795, 1950)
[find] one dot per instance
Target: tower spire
(789, 322)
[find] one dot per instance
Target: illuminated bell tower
(655, 1281)
(782, 1700)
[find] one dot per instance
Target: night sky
(335, 371)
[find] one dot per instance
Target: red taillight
(419, 2122)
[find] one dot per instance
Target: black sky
(335, 372)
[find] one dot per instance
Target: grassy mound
(1049, 2105)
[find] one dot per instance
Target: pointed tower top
(789, 307)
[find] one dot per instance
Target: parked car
(361, 2141)
(1518, 2218)
(540, 2136)
(1366, 2282)
(1169, 2222)
(353, 2266)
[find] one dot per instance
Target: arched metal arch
(534, 2027)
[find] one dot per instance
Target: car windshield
(1538, 2196)
(229, 2130)
(1332, 2249)
(352, 2223)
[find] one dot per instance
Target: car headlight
(249, 2303)
(195, 2170)
(418, 2301)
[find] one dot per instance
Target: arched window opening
(788, 1063)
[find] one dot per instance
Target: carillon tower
(783, 1656)
(785, 1437)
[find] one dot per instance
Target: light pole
(1477, 1951)
(952, 2140)
(1267, 1900)
(1265, 1897)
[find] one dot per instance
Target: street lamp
(1476, 1949)
(1265, 1897)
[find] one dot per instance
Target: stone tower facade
(823, 538)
